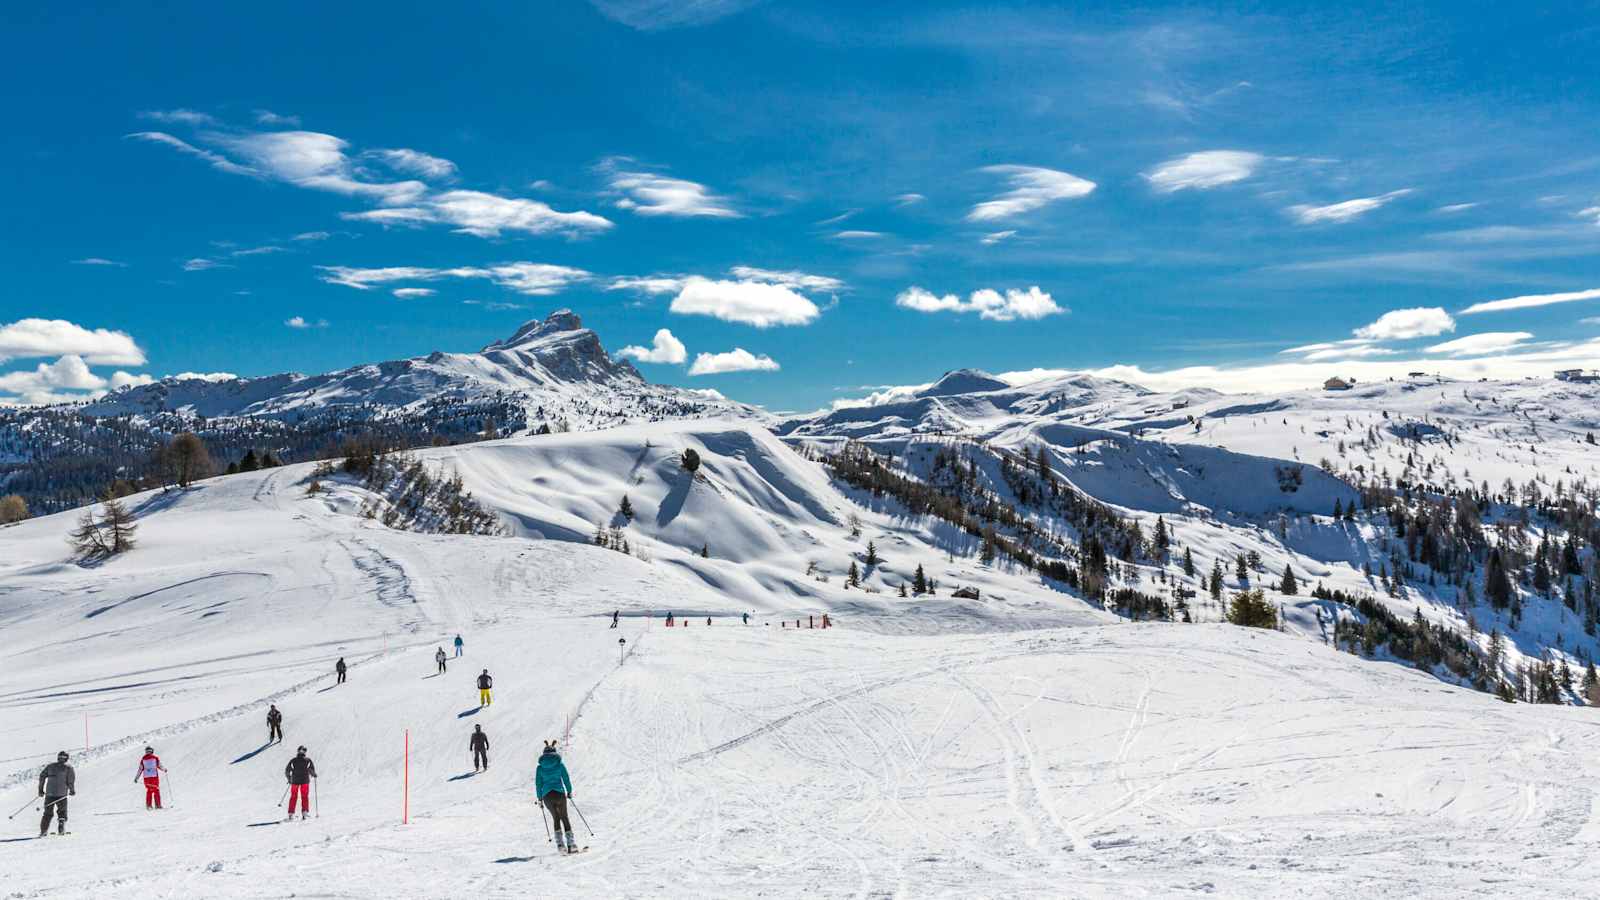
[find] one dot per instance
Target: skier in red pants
(150, 769)
(299, 772)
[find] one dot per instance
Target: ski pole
(31, 801)
(580, 815)
(285, 795)
(318, 794)
(542, 821)
(172, 795)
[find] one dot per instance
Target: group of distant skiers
(553, 786)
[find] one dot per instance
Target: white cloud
(650, 194)
(799, 280)
(299, 322)
(1592, 213)
(909, 199)
(736, 360)
(534, 279)
(1344, 211)
(1204, 170)
(66, 379)
(1531, 300)
(757, 303)
(415, 162)
(217, 160)
(31, 338)
(313, 236)
(203, 376)
(494, 305)
(1455, 208)
(1481, 344)
(178, 117)
(857, 235)
(1591, 320)
(199, 264)
(660, 15)
(986, 302)
(1031, 188)
(270, 118)
(652, 284)
(258, 251)
(315, 161)
(486, 215)
(995, 237)
(99, 261)
(1349, 351)
(413, 293)
(1404, 324)
(664, 349)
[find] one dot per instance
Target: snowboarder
(274, 724)
(458, 645)
(299, 773)
(480, 748)
(439, 658)
(57, 782)
(484, 684)
(553, 787)
(150, 769)
(339, 668)
(614, 617)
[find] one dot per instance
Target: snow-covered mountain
(552, 368)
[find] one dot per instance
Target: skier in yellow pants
(484, 684)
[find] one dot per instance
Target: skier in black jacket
(480, 748)
(57, 782)
(274, 724)
(339, 667)
(299, 773)
(485, 682)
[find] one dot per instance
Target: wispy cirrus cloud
(1032, 187)
(1344, 211)
(533, 279)
(201, 264)
(988, 303)
(662, 15)
(415, 162)
(413, 293)
(485, 215)
(653, 194)
(1204, 170)
(665, 349)
(99, 261)
(1530, 301)
(736, 360)
(1481, 344)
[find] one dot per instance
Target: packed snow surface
(1021, 745)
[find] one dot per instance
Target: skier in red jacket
(150, 769)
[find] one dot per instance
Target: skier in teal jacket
(553, 786)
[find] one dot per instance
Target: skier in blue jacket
(553, 786)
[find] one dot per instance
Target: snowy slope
(1099, 760)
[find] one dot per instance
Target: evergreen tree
(1496, 583)
(1188, 563)
(249, 462)
(872, 554)
(902, 589)
(853, 578)
(705, 551)
(1162, 540)
(987, 553)
(1251, 610)
(626, 508)
(919, 582)
(1241, 572)
(1288, 585)
(691, 461)
(1216, 580)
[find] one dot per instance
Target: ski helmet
(301, 750)
(62, 756)
(149, 749)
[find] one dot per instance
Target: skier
(747, 618)
(553, 787)
(458, 645)
(439, 658)
(484, 684)
(480, 748)
(669, 620)
(339, 667)
(57, 782)
(150, 768)
(274, 724)
(614, 616)
(299, 773)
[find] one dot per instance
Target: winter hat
(62, 756)
(149, 749)
(550, 747)
(301, 751)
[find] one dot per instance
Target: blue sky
(823, 200)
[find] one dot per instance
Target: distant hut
(1338, 384)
